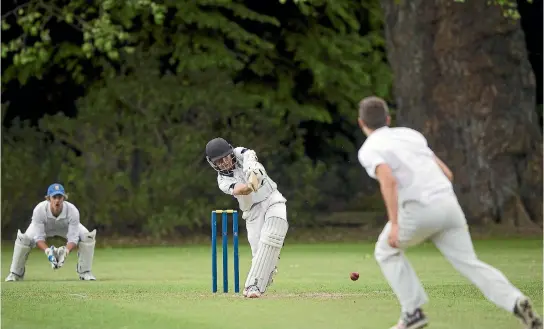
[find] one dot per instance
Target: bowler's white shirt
(405, 151)
(46, 225)
(226, 183)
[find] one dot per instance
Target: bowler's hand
(394, 236)
(50, 253)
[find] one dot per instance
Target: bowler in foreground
(421, 204)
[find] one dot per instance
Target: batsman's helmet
(217, 149)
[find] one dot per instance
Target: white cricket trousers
(273, 206)
(443, 222)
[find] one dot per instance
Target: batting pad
(272, 236)
(85, 252)
(21, 251)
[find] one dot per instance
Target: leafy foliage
(181, 73)
(103, 27)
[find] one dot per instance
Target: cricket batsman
(54, 217)
(240, 174)
(421, 204)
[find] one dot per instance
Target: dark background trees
(117, 101)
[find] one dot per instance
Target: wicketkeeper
(54, 217)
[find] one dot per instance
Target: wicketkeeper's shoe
(415, 320)
(524, 311)
(14, 277)
(252, 292)
(87, 276)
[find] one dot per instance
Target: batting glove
(50, 253)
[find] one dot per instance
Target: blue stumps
(224, 222)
(236, 256)
(214, 252)
(225, 239)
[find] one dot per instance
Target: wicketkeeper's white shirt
(45, 224)
(405, 150)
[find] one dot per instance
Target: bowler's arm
(444, 168)
(230, 186)
(388, 187)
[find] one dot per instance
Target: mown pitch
(163, 288)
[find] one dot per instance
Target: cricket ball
(354, 276)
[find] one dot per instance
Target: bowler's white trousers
(443, 222)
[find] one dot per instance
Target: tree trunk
(463, 79)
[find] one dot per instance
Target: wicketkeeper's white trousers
(444, 223)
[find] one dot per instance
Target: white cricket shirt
(405, 150)
(226, 183)
(65, 225)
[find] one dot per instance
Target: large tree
(462, 77)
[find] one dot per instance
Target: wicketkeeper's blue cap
(55, 189)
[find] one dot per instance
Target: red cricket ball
(354, 276)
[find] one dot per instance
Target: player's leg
(401, 276)
(23, 244)
(456, 245)
(272, 237)
(254, 223)
(85, 253)
(276, 197)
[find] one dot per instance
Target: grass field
(163, 288)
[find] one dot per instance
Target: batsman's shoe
(14, 277)
(524, 311)
(244, 293)
(252, 292)
(415, 320)
(272, 275)
(87, 276)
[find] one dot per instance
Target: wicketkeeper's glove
(61, 254)
(50, 253)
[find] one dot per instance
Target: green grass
(170, 288)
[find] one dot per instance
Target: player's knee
(25, 239)
(272, 239)
(87, 237)
(274, 232)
